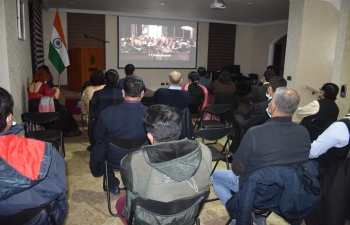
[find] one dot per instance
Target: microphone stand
(104, 49)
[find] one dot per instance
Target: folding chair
(168, 209)
(215, 110)
(194, 104)
(123, 147)
(243, 87)
(53, 128)
(28, 215)
(215, 134)
(147, 100)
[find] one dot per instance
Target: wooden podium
(83, 62)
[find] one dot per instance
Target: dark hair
(194, 77)
(43, 67)
(277, 82)
(330, 91)
(129, 69)
(268, 74)
(270, 67)
(225, 77)
(97, 78)
(6, 107)
(85, 85)
(162, 122)
(201, 71)
(133, 86)
(111, 76)
(43, 76)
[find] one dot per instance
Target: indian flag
(58, 54)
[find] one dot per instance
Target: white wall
(253, 45)
(244, 48)
(17, 56)
(310, 45)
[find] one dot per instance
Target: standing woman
(196, 89)
(97, 81)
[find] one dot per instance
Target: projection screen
(157, 43)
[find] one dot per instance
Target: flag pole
(59, 75)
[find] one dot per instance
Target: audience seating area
(87, 199)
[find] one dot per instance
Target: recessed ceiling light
(162, 3)
(71, 3)
(250, 3)
(145, 8)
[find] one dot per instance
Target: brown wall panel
(79, 24)
(221, 46)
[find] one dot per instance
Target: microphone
(87, 36)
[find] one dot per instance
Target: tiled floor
(87, 200)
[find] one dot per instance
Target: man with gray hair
(173, 96)
(278, 141)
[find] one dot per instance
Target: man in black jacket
(258, 115)
(324, 108)
(259, 93)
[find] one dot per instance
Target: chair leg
(214, 168)
(108, 193)
(229, 221)
(62, 145)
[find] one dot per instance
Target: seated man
(259, 93)
(332, 145)
(259, 113)
(278, 141)
(173, 96)
(325, 108)
(111, 94)
(167, 170)
(129, 71)
(123, 120)
(203, 80)
(32, 172)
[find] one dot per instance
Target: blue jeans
(223, 182)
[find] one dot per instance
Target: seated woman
(196, 89)
(97, 82)
(223, 85)
(39, 87)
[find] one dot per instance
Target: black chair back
(28, 215)
(168, 209)
(123, 147)
(194, 104)
(147, 100)
(215, 134)
(243, 87)
(253, 78)
(51, 121)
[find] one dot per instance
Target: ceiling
(241, 12)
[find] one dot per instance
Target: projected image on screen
(157, 43)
